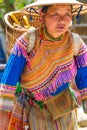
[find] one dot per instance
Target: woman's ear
(42, 16)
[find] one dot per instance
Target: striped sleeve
(80, 50)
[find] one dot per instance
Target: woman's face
(57, 19)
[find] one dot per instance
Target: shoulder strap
(77, 43)
(32, 38)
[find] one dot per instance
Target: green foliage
(20, 3)
(1, 15)
(11, 1)
(11, 5)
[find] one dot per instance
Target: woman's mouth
(60, 27)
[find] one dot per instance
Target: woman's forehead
(60, 7)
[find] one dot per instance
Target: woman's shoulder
(78, 42)
(76, 36)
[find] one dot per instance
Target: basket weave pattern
(13, 33)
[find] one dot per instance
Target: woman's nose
(61, 19)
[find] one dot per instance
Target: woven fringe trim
(7, 91)
(7, 97)
(81, 60)
(19, 50)
(60, 79)
(15, 124)
(6, 104)
(19, 118)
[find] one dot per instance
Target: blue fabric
(81, 77)
(2, 54)
(13, 70)
(60, 89)
(1, 74)
(81, 81)
(2, 58)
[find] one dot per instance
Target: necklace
(49, 37)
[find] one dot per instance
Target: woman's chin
(60, 31)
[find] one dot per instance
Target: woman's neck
(49, 37)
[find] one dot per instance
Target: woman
(56, 65)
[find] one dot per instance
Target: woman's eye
(55, 15)
(67, 14)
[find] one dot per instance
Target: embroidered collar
(50, 38)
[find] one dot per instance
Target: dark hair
(44, 9)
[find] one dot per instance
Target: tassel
(32, 99)
(78, 16)
(24, 95)
(41, 104)
(19, 88)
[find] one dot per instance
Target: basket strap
(32, 38)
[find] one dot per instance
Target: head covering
(84, 1)
(77, 6)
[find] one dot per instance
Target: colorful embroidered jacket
(47, 69)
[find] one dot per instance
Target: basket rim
(7, 22)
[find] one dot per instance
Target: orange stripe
(36, 77)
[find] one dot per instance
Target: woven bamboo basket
(13, 33)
